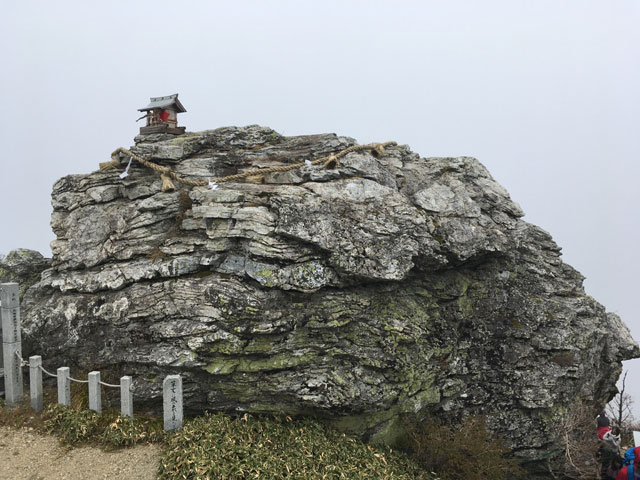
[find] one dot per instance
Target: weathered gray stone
(13, 387)
(35, 382)
(11, 342)
(64, 386)
(172, 402)
(126, 396)
(23, 266)
(390, 286)
(11, 331)
(9, 295)
(95, 392)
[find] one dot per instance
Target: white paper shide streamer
(126, 170)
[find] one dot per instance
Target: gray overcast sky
(545, 93)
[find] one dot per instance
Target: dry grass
(464, 452)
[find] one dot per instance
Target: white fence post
(126, 397)
(95, 394)
(64, 386)
(11, 342)
(35, 382)
(172, 402)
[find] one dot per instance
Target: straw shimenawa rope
(166, 174)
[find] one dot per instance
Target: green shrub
(125, 432)
(70, 425)
(73, 426)
(465, 452)
(221, 447)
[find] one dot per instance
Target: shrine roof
(161, 102)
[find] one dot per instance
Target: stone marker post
(95, 393)
(11, 342)
(64, 386)
(126, 397)
(172, 402)
(35, 382)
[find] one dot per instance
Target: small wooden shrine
(162, 115)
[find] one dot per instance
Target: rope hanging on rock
(254, 175)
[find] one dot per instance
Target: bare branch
(620, 407)
(577, 437)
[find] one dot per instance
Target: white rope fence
(12, 349)
(48, 373)
(78, 381)
(64, 386)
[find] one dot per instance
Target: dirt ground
(25, 455)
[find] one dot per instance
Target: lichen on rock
(389, 286)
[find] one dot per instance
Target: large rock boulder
(22, 266)
(388, 285)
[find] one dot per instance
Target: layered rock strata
(389, 285)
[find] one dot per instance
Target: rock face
(23, 266)
(389, 285)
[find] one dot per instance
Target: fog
(544, 93)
